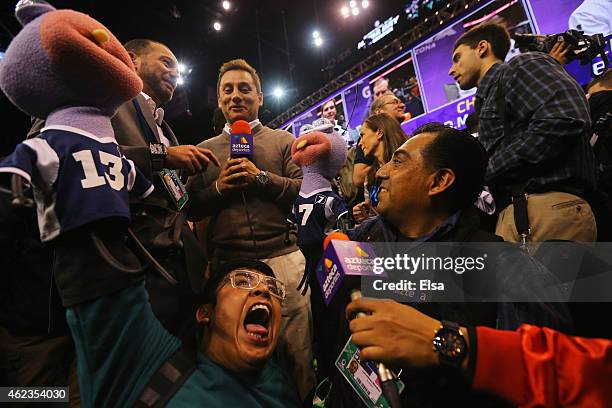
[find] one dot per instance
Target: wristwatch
(262, 178)
(450, 344)
(159, 152)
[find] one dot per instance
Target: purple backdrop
(552, 17)
(432, 59)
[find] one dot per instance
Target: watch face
(157, 148)
(262, 178)
(450, 344)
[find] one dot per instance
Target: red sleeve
(541, 367)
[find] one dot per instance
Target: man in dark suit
(146, 139)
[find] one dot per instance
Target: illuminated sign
(380, 31)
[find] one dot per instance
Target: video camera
(584, 47)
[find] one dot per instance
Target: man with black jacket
(427, 194)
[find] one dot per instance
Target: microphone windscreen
(341, 236)
(241, 127)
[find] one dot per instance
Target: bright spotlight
(355, 11)
(217, 26)
(365, 4)
(345, 11)
(180, 81)
(278, 92)
(352, 4)
(226, 5)
(181, 67)
(318, 41)
(315, 34)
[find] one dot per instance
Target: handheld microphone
(343, 260)
(346, 260)
(241, 140)
(241, 145)
(386, 376)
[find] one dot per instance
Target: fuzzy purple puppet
(70, 70)
(321, 153)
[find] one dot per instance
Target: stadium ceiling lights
(183, 72)
(217, 26)
(353, 8)
(226, 5)
(278, 92)
(318, 41)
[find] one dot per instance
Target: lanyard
(144, 126)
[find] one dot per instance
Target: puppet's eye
(100, 35)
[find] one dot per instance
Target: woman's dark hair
(392, 138)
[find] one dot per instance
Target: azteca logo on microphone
(240, 144)
(360, 263)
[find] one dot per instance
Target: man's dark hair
(239, 65)
(431, 127)
(463, 154)
(495, 34)
(140, 46)
(221, 270)
(605, 80)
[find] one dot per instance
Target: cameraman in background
(599, 94)
(566, 47)
(534, 123)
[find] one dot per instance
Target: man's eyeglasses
(392, 102)
(247, 280)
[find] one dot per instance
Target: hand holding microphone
(239, 171)
(233, 176)
(392, 333)
(341, 273)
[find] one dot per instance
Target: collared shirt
(158, 114)
(548, 148)
(252, 124)
(441, 229)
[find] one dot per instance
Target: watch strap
(444, 359)
(159, 152)
(472, 352)
(451, 325)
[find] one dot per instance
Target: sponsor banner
(357, 102)
(453, 114)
